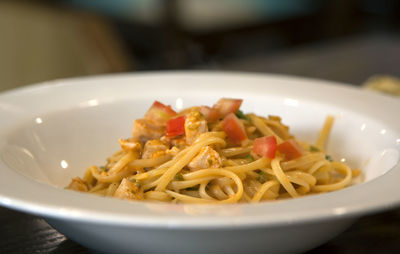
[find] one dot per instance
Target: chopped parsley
(249, 157)
(241, 115)
(178, 177)
(314, 149)
(328, 158)
(262, 178)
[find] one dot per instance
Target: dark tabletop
(24, 233)
(351, 60)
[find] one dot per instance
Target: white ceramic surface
(51, 132)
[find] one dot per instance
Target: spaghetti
(215, 155)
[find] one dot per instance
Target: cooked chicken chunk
(129, 145)
(173, 151)
(128, 190)
(154, 148)
(144, 129)
(78, 184)
(175, 142)
(195, 124)
(207, 158)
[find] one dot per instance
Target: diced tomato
(159, 112)
(291, 149)
(265, 146)
(234, 128)
(226, 106)
(210, 114)
(176, 127)
(214, 115)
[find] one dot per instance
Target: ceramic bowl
(51, 132)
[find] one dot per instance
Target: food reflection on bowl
(44, 145)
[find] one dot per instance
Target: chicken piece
(144, 129)
(154, 148)
(129, 145)
(187, 110)
(195, 124)
(207, 158)
(178, 142)
(173, 151)
(128, 190)
(78, 184)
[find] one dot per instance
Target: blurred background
(341, 40)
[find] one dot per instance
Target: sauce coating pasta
(215, 155)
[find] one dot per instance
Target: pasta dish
(215, 154)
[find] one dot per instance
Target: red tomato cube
(226, 106)
(265, 146)
(234, 129)
(159, 112)
(176, 127)
(291, 149)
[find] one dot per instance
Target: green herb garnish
(178, 177)
(262, 178)
(241, 115)
(249, 157)
(314, 149)
(328, 158)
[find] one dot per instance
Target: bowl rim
(47, 201)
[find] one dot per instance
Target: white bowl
(53, 131)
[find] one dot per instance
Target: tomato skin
(214, 115)
(265, 146)
(159, 112)
(234, 129)
(175, 127)
(291, 149)
(225, 106)
(167, 109)
(210, 114)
